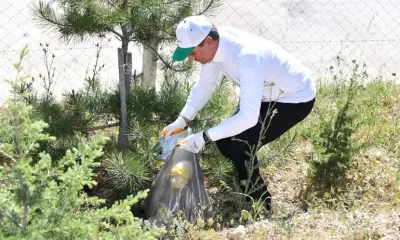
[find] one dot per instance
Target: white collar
(219, 55)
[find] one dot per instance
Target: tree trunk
(149, 65)
(128, 72)
(122, 139)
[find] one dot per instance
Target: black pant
(286, 116)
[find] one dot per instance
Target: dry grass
(357, 223)
(368, 207)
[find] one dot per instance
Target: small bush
(335, 145)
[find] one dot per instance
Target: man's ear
(208, 40)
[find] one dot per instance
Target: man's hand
(175, 127)
(193, 143)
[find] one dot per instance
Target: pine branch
(159, 121)
(165, 62)
(101, 127)
(127, 174)
(47, 15)
(11, 218)
(211, 116)
(80, 21)
(209, 6)
(8, 156)
(118, 35)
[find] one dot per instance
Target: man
(275, 89)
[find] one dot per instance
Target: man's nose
(191, 58)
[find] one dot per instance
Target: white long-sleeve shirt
(264, 72)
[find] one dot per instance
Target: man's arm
(201, 91)
(252, 75)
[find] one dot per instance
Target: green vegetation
(335, 175)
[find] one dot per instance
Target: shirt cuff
(188, 112)
(215, 133)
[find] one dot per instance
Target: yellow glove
(175, 127)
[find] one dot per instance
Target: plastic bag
(178, 186)
(165, 146)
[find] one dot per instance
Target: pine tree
(139, 21)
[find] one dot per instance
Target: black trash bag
(178, 186)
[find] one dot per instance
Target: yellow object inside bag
(179, 175)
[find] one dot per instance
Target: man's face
(204, 54)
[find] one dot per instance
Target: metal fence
(315, 31)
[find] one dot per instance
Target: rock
(238, 233)
(257, 225)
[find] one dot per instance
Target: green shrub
(41, 200)
(334, 144)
